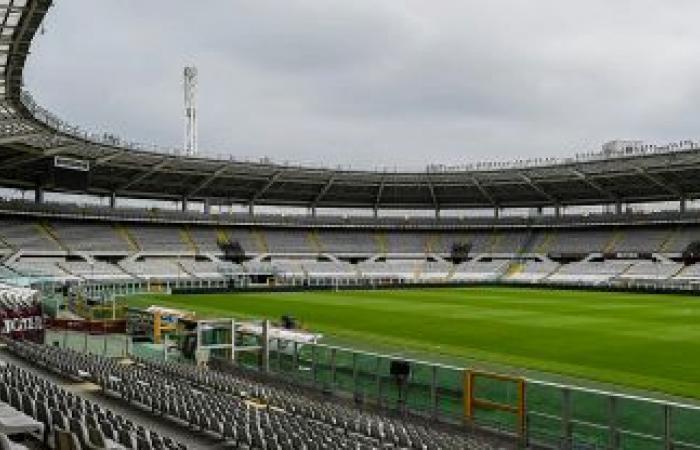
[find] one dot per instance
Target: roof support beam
(107, 158)
(433, 197)
(324, 190)
(209, 180)
(655, 180)
(266, 188)
(145, 175)
(378, 197)
(18, 137)
(538, 189)
(31, 157)
(483, 191)
(583, 177)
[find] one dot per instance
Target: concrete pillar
(39, 194)
(113, 200)
(207, 206)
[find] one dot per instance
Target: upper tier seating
(347, 242)
(159, 238)
(89, 236)
(287, 241)
(26, 235)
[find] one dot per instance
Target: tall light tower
(190, 110)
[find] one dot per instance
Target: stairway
(618, 236)
(315, 241)
(260, 240)
(546, 243)
(418, 269)
(48, 231)
(382, 243)
(513, 269)
(670, 239)
(188, 240)
(432, 242)
(222, 237)
(129, 238)
(527, 243)
(495, 241)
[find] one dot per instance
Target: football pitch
(649, 342)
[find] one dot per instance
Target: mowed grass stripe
(638, 340)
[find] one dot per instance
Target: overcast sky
(377, 82)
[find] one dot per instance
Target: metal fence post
(354, 372)
(279, 354)
(566, 418)
(668, 434)
(379, 381)
(295, 358)
(313, 363)
(613, 438)
(433, 391)
(333, 374)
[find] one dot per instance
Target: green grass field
(641, 341)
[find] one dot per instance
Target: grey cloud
(377, 82)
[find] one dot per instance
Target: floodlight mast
(190, 83)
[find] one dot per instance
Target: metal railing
(556, 415)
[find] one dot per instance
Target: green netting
(685, 425)
(633, 442)
(450, 392)
(640, 416)
(344, 371)
(419, 392)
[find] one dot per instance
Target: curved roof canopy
(30, 139)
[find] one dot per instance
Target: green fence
(556, 415)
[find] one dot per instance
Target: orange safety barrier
(472, 403)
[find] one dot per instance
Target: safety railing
(533, 411)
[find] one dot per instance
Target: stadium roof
(31, 137)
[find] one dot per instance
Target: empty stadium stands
(239, 411)
(100, 251)
(66, 416)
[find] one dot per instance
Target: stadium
(573, 326)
